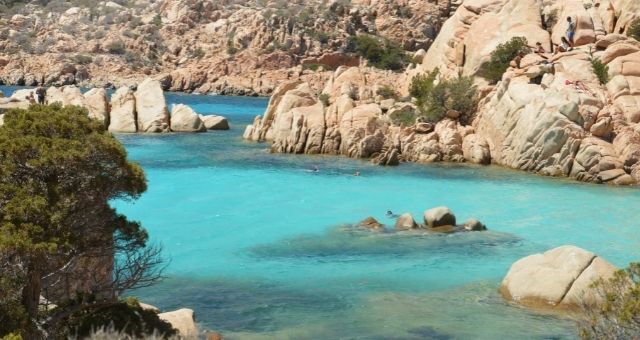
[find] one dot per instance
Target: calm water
(261, 247)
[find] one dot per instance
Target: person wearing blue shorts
(571, 30)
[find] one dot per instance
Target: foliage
(324, 98)
(387, 92)
(551, 19)
(125, 316)
(634, 30)
(116, 47)
(82, 59)
(157, 20)
(198, 53)
(435, 99)
(385, 55)
(599, 68)
(403, 117)
(59, 170)
(617, 315)
(502, 56)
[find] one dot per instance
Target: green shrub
(551, 20)
(634, 30)
(599, 68)
(501, 57)
(198, 53)
(324, 98)
(403, 118)
(385, 55)
(434, 100)
(82, 59)
(116, 47)
(125, 316)
(157, 20)
(387, 92)
(617, 315)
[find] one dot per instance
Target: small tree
(435, 99)
(634, 30)
(385, 54)
(599, 68)
(59, 170)
(501, 57)
(617, 315)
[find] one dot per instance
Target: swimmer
(357, 173)
(390, 214)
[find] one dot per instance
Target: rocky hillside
(244, 47)
(552, 116)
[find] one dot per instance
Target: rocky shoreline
(560, 122)
(143, 110)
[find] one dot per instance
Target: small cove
(260, 246)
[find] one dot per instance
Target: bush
(403, 118)
(385, 55)
(324, 98)
(617, 316)
(387, 92)
(116, 47)
(501, 57)
(82, 59)
(125, 316)
(434, 100)
(198, 53)
(634, 30)
(599, 68)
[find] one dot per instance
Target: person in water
(390, 214)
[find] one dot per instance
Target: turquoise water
(261, 247)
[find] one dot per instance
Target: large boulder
(439, 217)
(557, 278)
(371, 223)
(213, 122)
(182, 320)
(97, 103)
(123, 111)
(184, 119)
(151, 108)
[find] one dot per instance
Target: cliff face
(557, 121)
(226, 47)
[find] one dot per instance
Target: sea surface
(263, 247)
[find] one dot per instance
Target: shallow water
(261, 246)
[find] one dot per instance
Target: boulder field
(555, 119)
(560, 278)
(143, 110)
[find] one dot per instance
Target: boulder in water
(184, 119)
(474, 225)
(213, 122)
(123, 111)
(370, 223)
(560, 277)
(439, 217)
(151, 108)
(406, 222)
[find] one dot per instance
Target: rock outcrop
(554, 119)
(184, 119)
(183, 320)
(142, 110)
(151, 109)
(439, 217)
(558, 278)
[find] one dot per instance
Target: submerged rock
(560, 277)
(370, 223)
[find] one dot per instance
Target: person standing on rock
(41, 92)
(571, 30)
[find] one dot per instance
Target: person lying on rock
(564, 47)
(30, 98)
